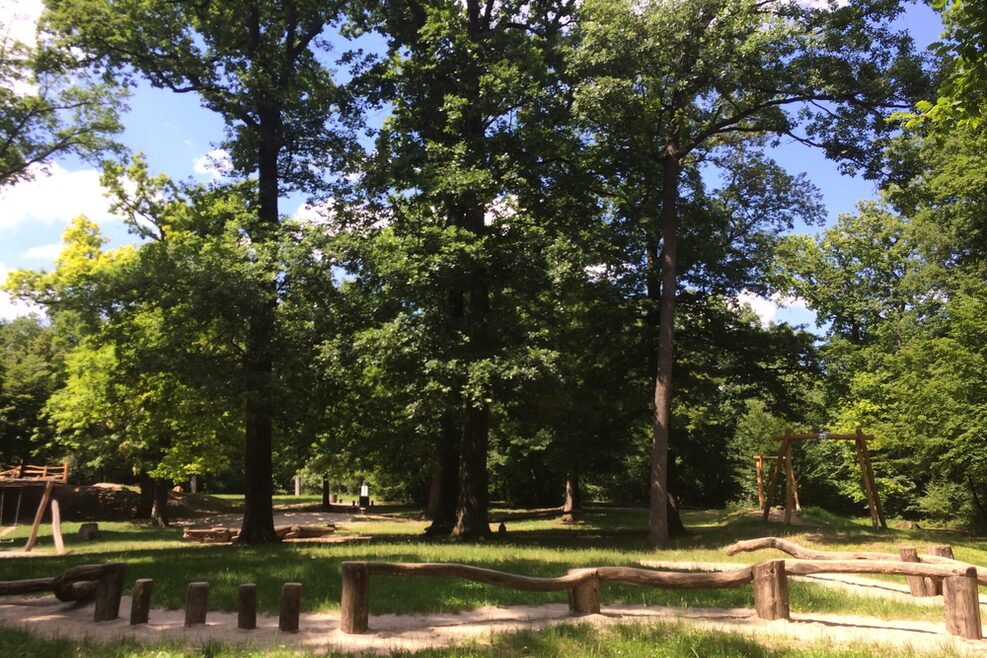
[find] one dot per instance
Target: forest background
(504, 211)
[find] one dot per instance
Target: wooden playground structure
(17, 479)
(784, 460)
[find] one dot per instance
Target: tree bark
(443, 494)
(658, 528)
(145, 501)
(573, 504)
(471, 511)
(159, 509)
(258, 512)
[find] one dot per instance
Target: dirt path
(47, 617)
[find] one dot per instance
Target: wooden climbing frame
(784, 457)
(759, 466)
(27, 475)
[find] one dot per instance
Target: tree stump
(140, 601)
(962, 603)
(246, 606)
(88, 532)
(196, 603)
(771, 590)
(291, 605)
(355, 601)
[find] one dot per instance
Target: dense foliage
(485, 304)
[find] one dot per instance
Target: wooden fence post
(140, 601)
(771, 590)
(917, 585)
(246, 606)
(109, 589)
(196, 603)
(584, 598)
(291, 605)
(943, 550)
(962, 603)
(355, 603)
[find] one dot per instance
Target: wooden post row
(246, 606)
(917, 585)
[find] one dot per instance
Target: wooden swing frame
(33, 476)
(784, 457)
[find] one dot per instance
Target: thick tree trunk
(443, 495)
(145, 501)
(471, 512)
(258, 512)
(658, 529)
(159, 510)
(573, 504)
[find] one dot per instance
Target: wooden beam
(56, 528)
(774, 484)
(789, 482)
(823, 436)
(45, 498)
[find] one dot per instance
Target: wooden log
(770, 496)
(478, 574)
(290, 608)
(962, 604)
(879, 509)
(584, 598)
(675, 580)
(140, 601)
(355, 602)
(30, 586)
(771, 590)
(789, 483)
(196, 603)
(812, 567)
(88, 531)
(246, 606)
(38, 515)
(109, 590)
(759, 468)
(824, 436)
(917, 585)
(56, 528)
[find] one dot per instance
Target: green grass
(565, 641)
(537, 544)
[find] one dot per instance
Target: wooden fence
(770, 579)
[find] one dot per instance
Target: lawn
(536, 544)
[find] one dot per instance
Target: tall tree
(675, 81)
(261, 66)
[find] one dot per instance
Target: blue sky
(177, 136)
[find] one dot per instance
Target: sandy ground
(46, 616)
(281, 517)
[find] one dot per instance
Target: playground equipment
(784, 459)
(17, 479)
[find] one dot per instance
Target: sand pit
(45, 616)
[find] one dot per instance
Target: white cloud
(55, 195)
(11, 308)
(213, 165)
(19, 19)
(44, 252)
(766, 308)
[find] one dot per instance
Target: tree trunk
(159, 510)
(658, 530)
(145, 501)
(443, 495)
(573, 504)
(471, 511)
(258, 512)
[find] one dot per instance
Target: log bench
(102, 583)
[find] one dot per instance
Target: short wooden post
(246, 606)
(943, 550)
(917, 585)
(291, 606)
(355, 602)
(196, 603)
(771, 590)
(109, 590)
(962, 603)
(584, 598)
(140, 601)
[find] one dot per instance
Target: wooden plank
(822, 436)
(45, 498)
(56, 528)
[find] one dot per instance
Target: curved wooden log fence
(770, 579)
(803, 553)
(102, 582)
